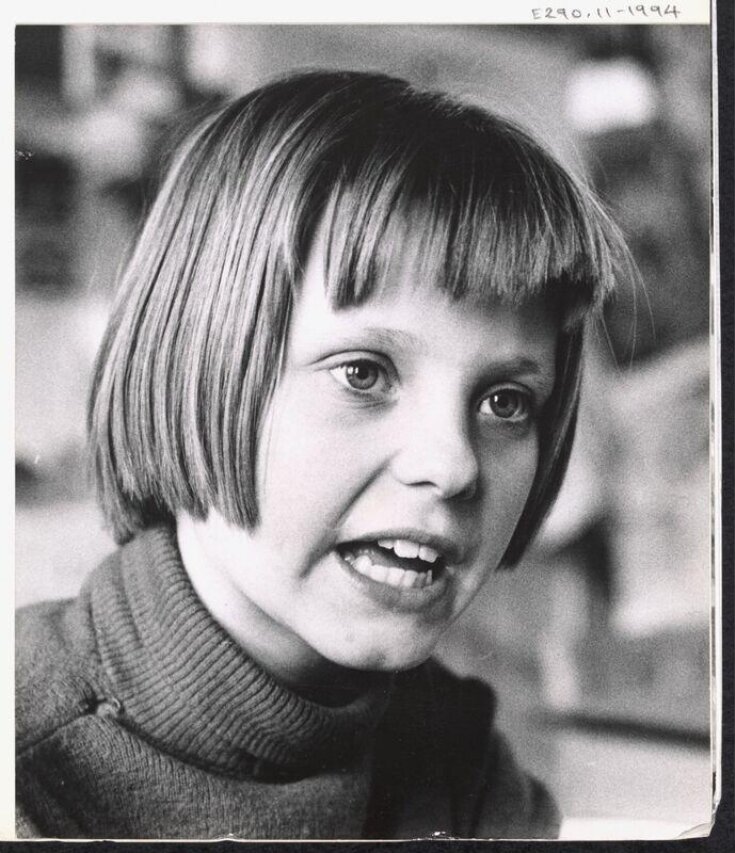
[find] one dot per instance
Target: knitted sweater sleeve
(57, 685)
(24, 824)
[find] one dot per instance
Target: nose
(436, 450)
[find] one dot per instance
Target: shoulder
(499, 798)
(515, 799)
(57, 670)
(441, 729)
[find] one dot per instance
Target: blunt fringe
(196, 337)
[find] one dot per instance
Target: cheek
(509, 480)
(311, 462)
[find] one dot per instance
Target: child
(338, 390)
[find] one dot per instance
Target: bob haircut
(194, 346)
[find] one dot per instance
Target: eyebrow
(524, 366)
(394, 337)
(408, 342)
(379, 336)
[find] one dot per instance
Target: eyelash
(523, 410)
(346, 371)
(521, 401)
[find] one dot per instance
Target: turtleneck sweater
(137, 716)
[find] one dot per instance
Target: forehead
(407, 315)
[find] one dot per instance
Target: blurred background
(599, 644)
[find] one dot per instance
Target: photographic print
(363, 440)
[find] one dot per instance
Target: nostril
(470, 490)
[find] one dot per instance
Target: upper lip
(448, 547)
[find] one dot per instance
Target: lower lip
(408, 599)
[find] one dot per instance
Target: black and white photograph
(364, 378)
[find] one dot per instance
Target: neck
(275, 648)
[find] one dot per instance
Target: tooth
(429, 578)
(378, 573)
(395, 576)
(410, 578)
(362, 564)
(428, 554)
(386, 543)
(404, 548)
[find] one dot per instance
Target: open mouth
(395, 562)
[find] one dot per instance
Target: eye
(508, 404)
(362, 375)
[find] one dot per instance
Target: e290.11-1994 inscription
(606, 13)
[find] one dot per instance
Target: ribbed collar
(187, 687)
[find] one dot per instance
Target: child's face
(400, 449)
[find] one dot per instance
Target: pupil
(361, 375)
(504, 403)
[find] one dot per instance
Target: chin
(381, 659)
